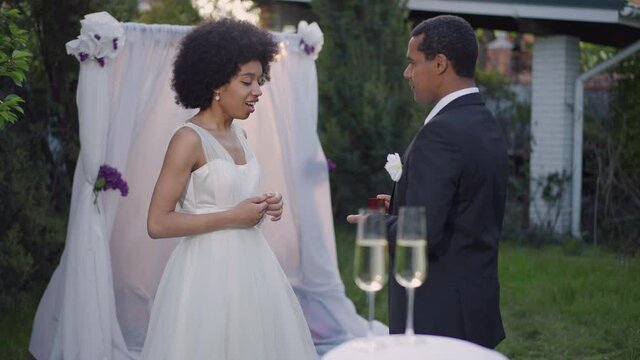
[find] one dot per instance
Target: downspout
(578, 118)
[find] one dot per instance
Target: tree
(176, 12)
(14, 63)
(240, 9)
(592, 54)
(366, 107)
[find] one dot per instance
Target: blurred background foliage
(366, 107)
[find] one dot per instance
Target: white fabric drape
(98, 302)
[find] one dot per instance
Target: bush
(176, 12)
(612, 166)
(15, 267)
(31, 231)
(514, 116)
(366, 107)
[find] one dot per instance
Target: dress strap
(240, 134)
(209, 148)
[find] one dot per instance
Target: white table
(397, 347)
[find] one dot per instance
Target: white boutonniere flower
(394, 166)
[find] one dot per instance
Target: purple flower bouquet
(109, 178)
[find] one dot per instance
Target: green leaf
(8, 117)
(22, 66)
(17, 77)
(13, 29)
(100, 183)
(20, 54)
(12, 100)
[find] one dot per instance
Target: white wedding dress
(223, 295)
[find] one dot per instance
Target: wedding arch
(98, 302)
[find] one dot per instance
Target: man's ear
(441, 63)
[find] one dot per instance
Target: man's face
(420, 72)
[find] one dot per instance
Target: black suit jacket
(456, 167)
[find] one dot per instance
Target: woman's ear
(217, 93)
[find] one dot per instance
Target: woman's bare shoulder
(185, 144)
(185, 136)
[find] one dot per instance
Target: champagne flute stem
(371, 301)
(409, 328)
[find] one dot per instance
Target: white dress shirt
(447, 99)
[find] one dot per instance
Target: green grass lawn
(15, 328)
(554, 306)
(557, 306)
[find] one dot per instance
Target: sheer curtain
(98, 302)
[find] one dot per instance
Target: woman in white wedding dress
(223, 294)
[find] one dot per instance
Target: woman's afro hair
(212, 53)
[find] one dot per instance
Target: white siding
(556, 65)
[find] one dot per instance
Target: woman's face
(238, 98)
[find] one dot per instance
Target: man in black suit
(456, 167)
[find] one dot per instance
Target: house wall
(556, 65)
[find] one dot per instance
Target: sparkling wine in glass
(410, 265)
(371, 260)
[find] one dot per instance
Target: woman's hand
(249, 212)
(274, 200)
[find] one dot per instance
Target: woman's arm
(183, 155)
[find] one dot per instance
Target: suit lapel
(465, 100)
(393, 196)
(397, 186)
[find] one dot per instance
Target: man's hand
(386, 198)
(353, 219)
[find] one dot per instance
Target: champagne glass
(371, 260)
(411, 255)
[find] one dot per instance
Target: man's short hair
(453, 37)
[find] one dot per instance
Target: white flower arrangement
(312, 38)
(101, 37)
(394, 166)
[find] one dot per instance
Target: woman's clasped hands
(251, 211)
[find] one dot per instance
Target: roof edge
(542, 12)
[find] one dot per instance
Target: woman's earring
(217, 97)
